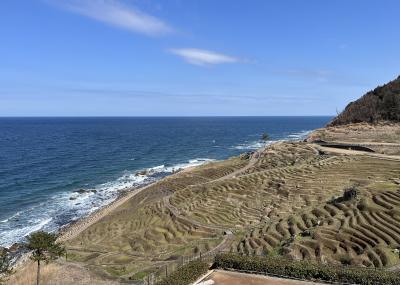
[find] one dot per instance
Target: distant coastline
(217, 138)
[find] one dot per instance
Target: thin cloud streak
(114, 13)
(132, 93)
(203, 57)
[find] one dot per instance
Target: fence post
(166, 270)
(200, 255)
(148, 279)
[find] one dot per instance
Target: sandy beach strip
(73, 229)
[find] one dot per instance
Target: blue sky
(188, 57)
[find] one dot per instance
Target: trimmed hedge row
(306, 270)
(186, 274)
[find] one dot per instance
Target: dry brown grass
(143, 234)
(361, 132)
(278, 205)
(267, 207)
(56, 274)
(27, 274)
(362, 232)
(382, 137)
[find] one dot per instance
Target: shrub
(186, 274)
(306, 270)
(265, 137)
(5, 268)
(349, 194)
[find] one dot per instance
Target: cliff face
(380, 104)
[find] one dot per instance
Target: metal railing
(168, 269)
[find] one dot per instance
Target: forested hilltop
(380, 104)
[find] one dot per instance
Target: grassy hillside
(299, 200)
(380, 104)
(285, 200)
(283, 203)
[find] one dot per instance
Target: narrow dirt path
(253, 160)
(223, 277)
(367, 143)
(229, 236)
(357, 152)
(74, 230)
(176, 212)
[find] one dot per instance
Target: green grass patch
(138, 275)
(116, 271)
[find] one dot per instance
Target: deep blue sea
(44, 160)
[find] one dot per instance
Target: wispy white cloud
(115, 13)
(203, 57)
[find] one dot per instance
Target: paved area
(220, 277)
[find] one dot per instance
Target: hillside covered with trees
(380, 104)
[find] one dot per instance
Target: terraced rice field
(381, 137)
(362, 232)
(143, 233)
(281, 182)
(281, 201)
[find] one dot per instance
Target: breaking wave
(66, 207)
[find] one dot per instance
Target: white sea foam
(14, 235)
(252, 145)
(299, 135)
(66, 207)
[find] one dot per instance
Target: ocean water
(44, 161)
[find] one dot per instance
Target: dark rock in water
(16, 247)
(141, 173)
(176, 170)
(83, 191)
(80, 191)
(72, 198)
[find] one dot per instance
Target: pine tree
(44, 248)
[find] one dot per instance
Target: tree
(5, 269)
(265, 137)
(44, 248)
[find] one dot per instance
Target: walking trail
(357, 152)
(75, 229)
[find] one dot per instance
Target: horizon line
(168, 116)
